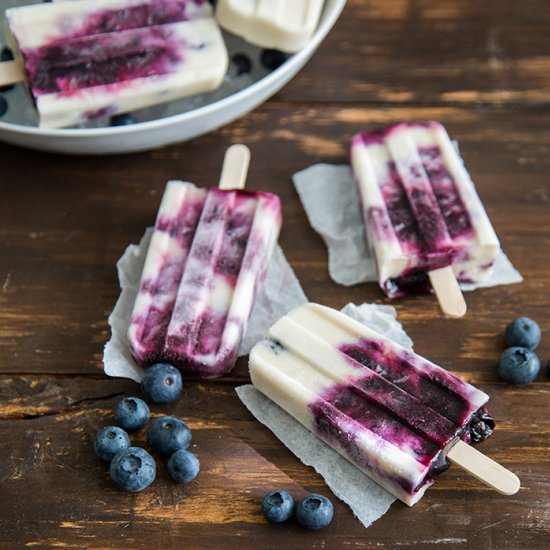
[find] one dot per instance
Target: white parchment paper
(280, 293)
(367, 500)
(331, 201)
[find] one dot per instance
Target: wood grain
(49, 456)
(483, 69)
(432, 52)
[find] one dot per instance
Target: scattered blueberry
(133, 469)
(314, 512)
(132, 413)
(523, 332)
(518, 365)
(162, 383)
(242, 63)
(277, 506)
(183, 466)
(109, 441)
(167, 434)
(481, 426)
(273, 59)
(124, 119)
(3, 106)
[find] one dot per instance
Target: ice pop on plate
(208, 256)
(285, 25)
(393, 414)
(91, 58)
(422, 213)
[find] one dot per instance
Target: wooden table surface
(483, 69)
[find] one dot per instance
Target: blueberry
(162, 383)
(109, 441)
(6, 55)
(124, 119)
(481, 426)
(273, 59)
(242, 63)
(167, 434)
(518, 365)
(183, 466)
(523, 332)
(314, 512)
(440, 464)
(277, 506)
(132, 413)
(133, 469)
(3, 106)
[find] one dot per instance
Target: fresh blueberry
(518, 365)
(132, 413)
(314, 512)
(109, 441)
(183, 466)
(6, 55)
(277, 506)
(124, 119)
(3, 106)
(242, 63)
(273, 59)
(133, 469)
(162, 383)
(167, 434)
(523, 332)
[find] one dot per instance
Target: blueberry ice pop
(92, 58)
(393, 414)
(208, 257)
(284, 25)
(422, 214)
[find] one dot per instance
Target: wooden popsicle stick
(235, 167)
(484, 468)
(448, 292)
(11, 72)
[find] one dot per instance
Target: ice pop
(208, 256)
(284, 25)
(393, 414)
(421, 210)
(91, 58)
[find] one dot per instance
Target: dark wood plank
(432, 52)
(49, 455)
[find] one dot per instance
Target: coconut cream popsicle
(393, 414)
(284, 25)
(421, 210)
(208, 257)
(91, 58)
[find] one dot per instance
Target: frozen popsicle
(208, 256)
(284, 25)
(91, 58)
(393, 414)
(422, 213)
